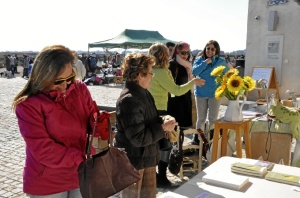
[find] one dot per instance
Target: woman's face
(63, 79)
(145, 81)
(210, 50)
(184, 53)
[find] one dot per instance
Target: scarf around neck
(187, 65)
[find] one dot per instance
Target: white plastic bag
(99, 63)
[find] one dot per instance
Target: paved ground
(12, 152)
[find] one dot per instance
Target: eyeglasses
(152, 74)
(212, 49)
(184, 52)
(68, 79)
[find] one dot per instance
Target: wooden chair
(194, 159)
(272, 146)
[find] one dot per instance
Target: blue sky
(34, 24)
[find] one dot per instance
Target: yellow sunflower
(219, 79)
(217, 71)
(235, 83)
(219, 91)
(249, 83)
(231, 72)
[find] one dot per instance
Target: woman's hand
(200, 82)
(169, 123)
(208, 60)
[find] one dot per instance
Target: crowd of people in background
(89, 65)
(11, 63)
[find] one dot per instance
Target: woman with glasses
(139, 125)
(206, 103)
(162, 84)
(180, 66)
(53, 112)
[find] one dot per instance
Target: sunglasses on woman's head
(68, 79)
(184, 52)
(212, 49)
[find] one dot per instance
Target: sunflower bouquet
(231, 84)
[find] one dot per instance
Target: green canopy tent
(138, 39)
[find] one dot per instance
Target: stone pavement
(12, 146)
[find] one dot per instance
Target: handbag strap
(181, 139)
(110, 134)
(91, 137)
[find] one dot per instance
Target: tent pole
(125, 47)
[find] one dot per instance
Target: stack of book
(226, 180)
(283, 178)
(249, 169)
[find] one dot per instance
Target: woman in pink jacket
(53, 111)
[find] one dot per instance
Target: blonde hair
(161, 52)
(135, 63)
(46, 67)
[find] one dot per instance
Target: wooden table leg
(238, 142)
(216, 137)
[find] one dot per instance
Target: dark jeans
(25, 72)
(12, 69)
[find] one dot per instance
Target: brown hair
(46, 67)
(216, 45)
(135, 63)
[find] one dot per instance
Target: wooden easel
(268, 73)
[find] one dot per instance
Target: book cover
(268, 165)
(231, 181)
(283, 178)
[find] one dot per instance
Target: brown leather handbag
(105, 173)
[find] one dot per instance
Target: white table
(258, 187)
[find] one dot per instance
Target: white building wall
(257, 33)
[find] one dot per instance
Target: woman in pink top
(53, 111)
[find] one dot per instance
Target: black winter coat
(139, 126)
(180, 107)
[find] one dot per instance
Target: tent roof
(139, 39)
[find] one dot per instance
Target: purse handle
(91, 137)
(181, 139)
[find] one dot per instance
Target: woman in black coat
(139, 125)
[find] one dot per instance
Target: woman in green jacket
(162, 85)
